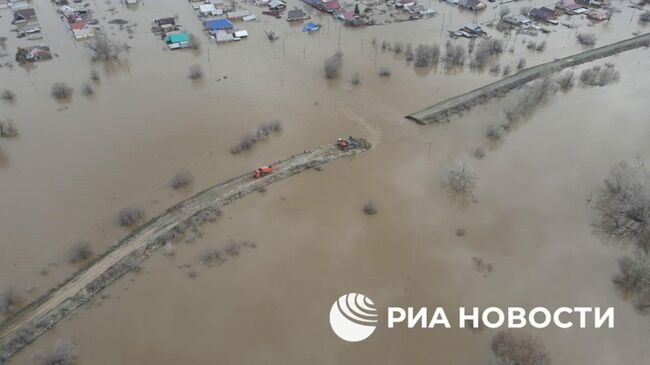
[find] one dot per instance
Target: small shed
(241, 33)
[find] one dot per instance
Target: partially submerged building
(238, 14)
(206, 10)
(598, 14)
(277, 5)
(24, 15)
(544, 14)
(296, 15)
(568, 6)
(81, 30)
(471, 4)
(33, 54)
(178, 40)
(217, 24)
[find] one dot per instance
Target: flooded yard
(76, 163)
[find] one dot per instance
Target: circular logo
(353, 317)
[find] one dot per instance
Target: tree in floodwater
(63, 353)
(623, 213)
(519, 348)
(633, 280)
(333, 65)
(623, 206)
(103, 48)
(462, 177)
(8, 301)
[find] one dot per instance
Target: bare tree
(196, 72)
(103, 48)
(519, 348)
(333, 65)
(80, 252)
(408, 53)
(195, 42)
(535, 94)
(356, 79)
(586, 39)
(521, 64)
(566, 80)
(8, 301)
(8, 129)
(495, 133)
(504, 11)
(462, 177)
(484, 51)
(63, 353)
(633, 280)
(455, 55)
(87, 90)
(644, 18)
(182, 179)
(94, 75)
(600, 75)
(262, 132)
(398, 47)
(426, 55)
(623, 206)
(8, 95)
(384, 72)
(130, 215)
(61, 90)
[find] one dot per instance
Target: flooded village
(197, 181)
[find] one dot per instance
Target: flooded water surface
(76, 164)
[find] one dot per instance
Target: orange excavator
(263, 171)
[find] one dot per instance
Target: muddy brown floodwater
(75, 165)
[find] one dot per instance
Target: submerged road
(465, 101)
(43, 313)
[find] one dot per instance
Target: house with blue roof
(218, 24)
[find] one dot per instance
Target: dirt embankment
(446, 108)
(43, 313)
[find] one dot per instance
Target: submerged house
(238, 15)
(165, 22)
(24, 15)
(310, 27)
(516, 20)
(81, 30)
(218, 24)
(296, 14)
(471, 4)
(33, 54)
(223, 36)
(544, 14)
(178, 40)
(209, 10)
(598, 14)
(332, 6)
(567, 5)
(277, 5)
